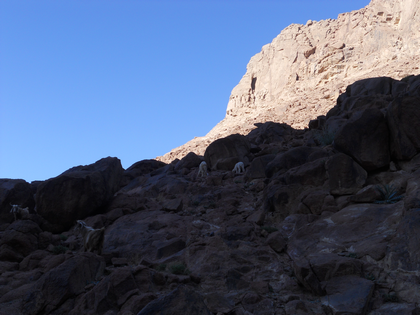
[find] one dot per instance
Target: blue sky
(85, 79)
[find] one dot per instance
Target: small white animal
(93, 239)
(202, 169)
(239, 168)
(18, 211)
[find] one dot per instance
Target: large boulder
(293, 158)
(109, 294)
(224, 153)
(62, 283)
(403, 115)
(189, 161)
(371, 86)
(311, 173)
(358, 230)
(19, 240)
(269, 132)
(137, 235)
(404, 250)
(258, 165)
(140, 168)
(348, 295)
(345, 175)
(282, 200)
(183, 300)
(16, 192)
(365, 137)
(79, 192)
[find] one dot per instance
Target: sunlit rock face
(300, 74)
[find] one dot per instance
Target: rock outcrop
(300, 74)
(79, 192)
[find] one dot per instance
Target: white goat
(239, 168)
(202, 169)
(93, 239)
(18, 211)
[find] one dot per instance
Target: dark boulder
(183, 300)
(269, 132)
(403, 116)
(365, 137)
(79, 192)
(19, 240)
(189, 161)
(345, 175)
(142, 168)
(234, 148)
(293, 158)
(62, 283)
(258, 166)
(16, 192)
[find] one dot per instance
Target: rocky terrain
(301, 73)
(325, 220)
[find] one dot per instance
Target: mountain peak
(300, 74)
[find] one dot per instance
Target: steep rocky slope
(300, 74)
(324, 220)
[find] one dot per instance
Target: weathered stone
(403, 115)
(14, 192)
(173, 205)
(217, 303)
(311, 174)
(298, 307)
(233, 146)
(403, 252)
(140, 168)
(172, 247)
(290, 159)
(235, 280)
(20, 237)
(369, 193)
(189, 161)
(327, 266)
(108, 294)
(258, 165)
(78, 192)
(365, 137)
(269, 132)
(345, 175)
(276, 241)
(306, 276)
(348, 295)
(395, 308)
(183, 300)
(63, 282)
(282, 199)
(238, 232)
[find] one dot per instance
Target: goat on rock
(18, 211)
(202, 169)
(239, 168)
(93, 239)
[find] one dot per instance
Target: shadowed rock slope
(324, 220)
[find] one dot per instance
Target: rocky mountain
(300, 74)
(324, 220)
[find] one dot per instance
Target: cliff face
(300, 74)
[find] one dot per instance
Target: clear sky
(85, 79)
